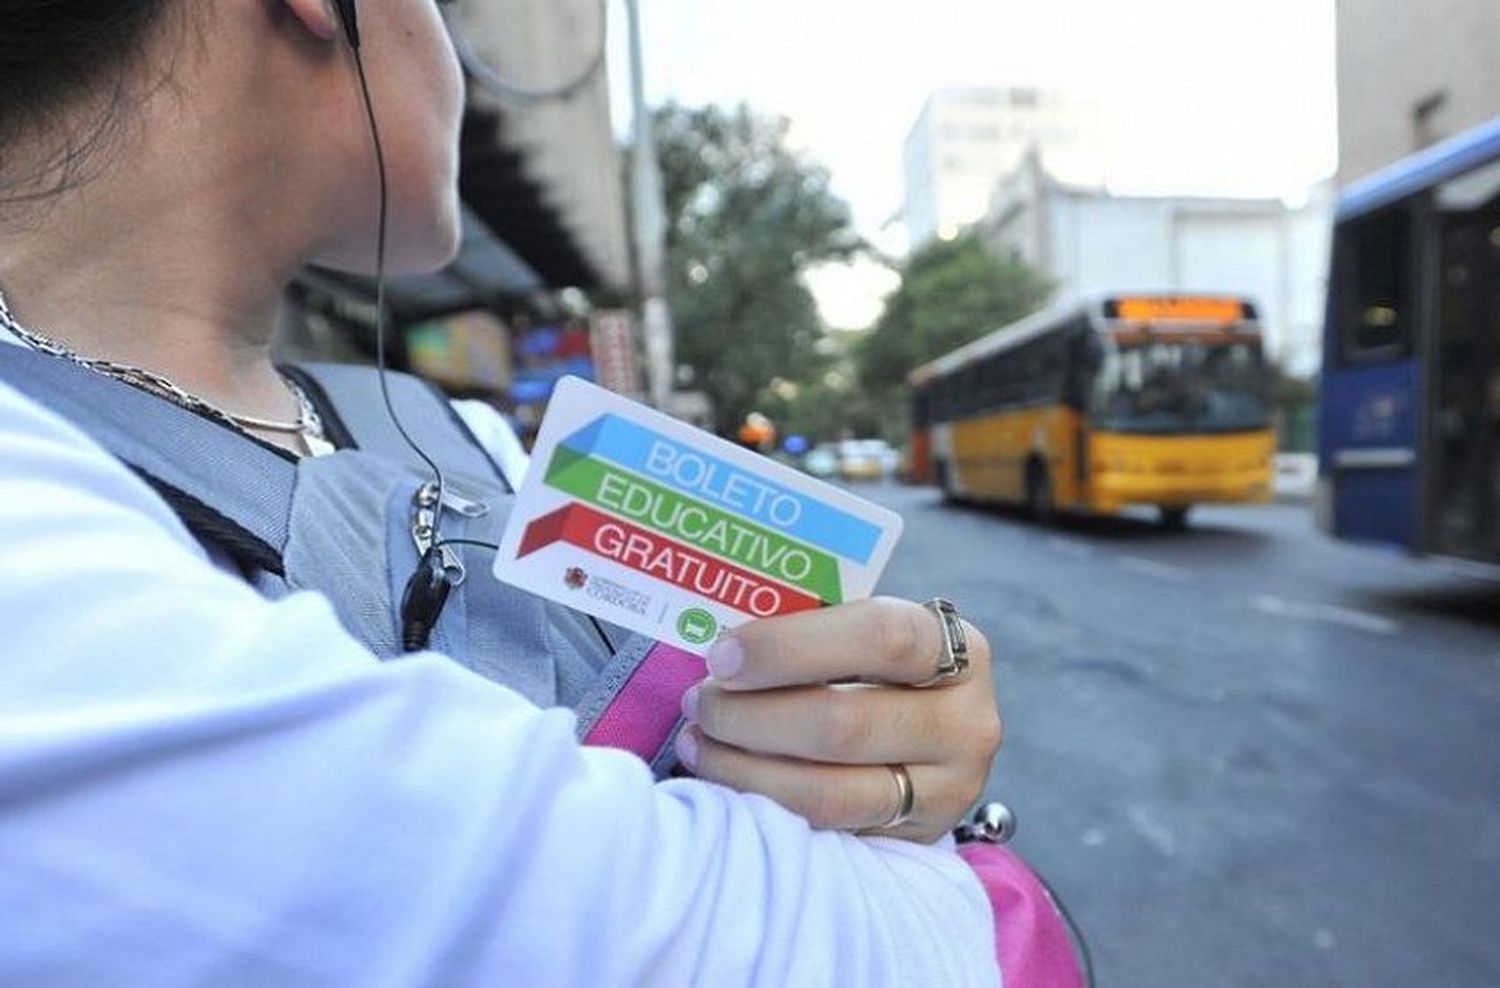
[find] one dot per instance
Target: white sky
(1206, 96)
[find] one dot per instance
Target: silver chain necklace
(309, 424)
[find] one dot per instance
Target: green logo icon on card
(696, 626)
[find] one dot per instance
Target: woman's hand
(768, 721)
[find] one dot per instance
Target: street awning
(494, 184)
(487, 273)
(540, 180)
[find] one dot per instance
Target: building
(1086, 240)
(1411, 74)
(966, 139)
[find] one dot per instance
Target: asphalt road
(1244, 754)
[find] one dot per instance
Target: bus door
(1463, 514)
(1371, 410)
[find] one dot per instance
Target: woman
(277, 805)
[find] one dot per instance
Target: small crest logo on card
(697, 626)
(575, 578)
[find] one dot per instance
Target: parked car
(867, 459)
(821, 461)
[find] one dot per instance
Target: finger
(829, 797)
(886, 639)
(847, 725)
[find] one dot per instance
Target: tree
(829, 405)
(951, 292)
(1294, 410)
(746, 216)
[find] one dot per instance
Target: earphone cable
(598, 628)
(477, 543)
(380, 327)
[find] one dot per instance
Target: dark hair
(56, 55)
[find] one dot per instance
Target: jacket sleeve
(201, 786)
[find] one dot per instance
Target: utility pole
(650, 229)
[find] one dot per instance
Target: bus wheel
(1174, 518)
(1039, 494)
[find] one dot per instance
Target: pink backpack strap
(1031, 937)
(644, 713)
(1032, 940)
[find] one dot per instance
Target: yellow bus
(1157, 400)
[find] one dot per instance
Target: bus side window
(970, 395)
(1374, 274)
(992, 383)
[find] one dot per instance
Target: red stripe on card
(664, 559)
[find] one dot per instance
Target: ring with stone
(953, 661)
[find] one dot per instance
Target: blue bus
(1410, 410)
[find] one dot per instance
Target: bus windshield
(1172, 387)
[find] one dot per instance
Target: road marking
(1329, 613)
(1150, 567)
(1071, 547)
(1153, 831)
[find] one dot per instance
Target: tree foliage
(746, 215)
(951, 292)
(827, 406)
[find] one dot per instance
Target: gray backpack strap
(354, 392)
(228, 489)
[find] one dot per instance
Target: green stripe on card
(694, 523)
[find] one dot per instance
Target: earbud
(422, 603)
(350, 18)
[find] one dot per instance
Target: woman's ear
(320, 18)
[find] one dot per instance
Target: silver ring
(954, 660)
(906, 798)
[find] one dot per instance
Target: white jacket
(198, 786)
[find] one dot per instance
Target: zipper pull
(454, 564)
(468, 507)
(424, 516)
(424, 525)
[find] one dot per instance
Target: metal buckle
(992, 823)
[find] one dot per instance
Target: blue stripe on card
(708, 478)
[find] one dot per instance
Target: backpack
(1036, 942)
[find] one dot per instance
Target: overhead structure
(541, 165)
(540, 174)
(486, 272)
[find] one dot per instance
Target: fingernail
(690, 704)
(725, 658)
(687, 749)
